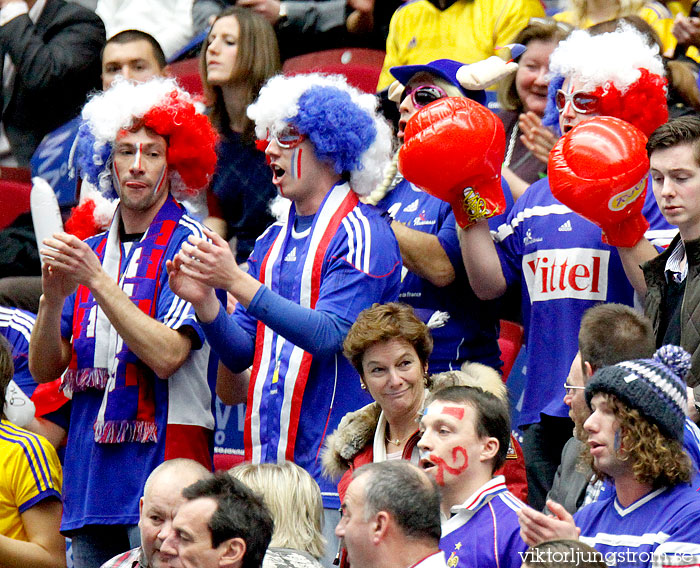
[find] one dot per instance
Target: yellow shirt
(679, 7)
(655, 14)
(467, 31)
(29, 473)
(659, 16)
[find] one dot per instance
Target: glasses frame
(298, 137)
(412, 92)
(568, 388)
(569, 99)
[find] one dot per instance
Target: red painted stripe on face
(456, 411)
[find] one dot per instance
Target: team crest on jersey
(412, 207)
(528, 239)
(453, 560)
(579, 273)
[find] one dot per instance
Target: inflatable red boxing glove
(599, 170)
(453, 149)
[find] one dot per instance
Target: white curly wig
(342, 123)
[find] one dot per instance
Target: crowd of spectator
(336, 264)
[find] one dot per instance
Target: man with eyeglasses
(555, 256)
(434, 281)
(309, 276)
(609, 333)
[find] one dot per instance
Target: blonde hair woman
(294, 501)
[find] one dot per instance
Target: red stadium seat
(360, 66)
(187, 74)
(509, 341)
(15, 187)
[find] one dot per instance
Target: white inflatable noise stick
(46, 214)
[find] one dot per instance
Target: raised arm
(632, 258)
(481, 261)
(49, 352)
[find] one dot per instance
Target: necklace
(511, 145)
(395, 441)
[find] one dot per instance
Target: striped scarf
(101, 360)
(295, 365)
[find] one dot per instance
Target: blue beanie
(655, 387)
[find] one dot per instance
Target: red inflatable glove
(599, 170)
(453, 149)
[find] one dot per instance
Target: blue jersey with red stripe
(16, 325)
(300, 386)
(660, 529)
(484, 531)
(563, 268)
(471, 332)
(104, 481)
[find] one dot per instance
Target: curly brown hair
(384, 322)
(7, 370)
(656, 459)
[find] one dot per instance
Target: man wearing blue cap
(434, 281)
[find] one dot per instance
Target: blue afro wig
(91, 160)
(551, 114)
(339, 130)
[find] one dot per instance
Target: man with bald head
(162, 495)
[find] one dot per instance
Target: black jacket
(57, 63)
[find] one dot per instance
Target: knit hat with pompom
(655, 387)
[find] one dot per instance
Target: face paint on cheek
(444, 467)
(161, 180)
(116, 180)
(296, 163)
(618, 441)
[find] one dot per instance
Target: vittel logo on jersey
(624, 198)
(578, 273)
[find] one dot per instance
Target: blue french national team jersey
(471, 332)
(338, 263)
(16, 325)
(104, 481)
(563, 268)
(660, 529)
(484, 532)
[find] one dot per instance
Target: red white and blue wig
(341, 122)
(161, 106)
(621, 67)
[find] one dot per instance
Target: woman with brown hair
(389, 347)
(238, 56)
(523, 97)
